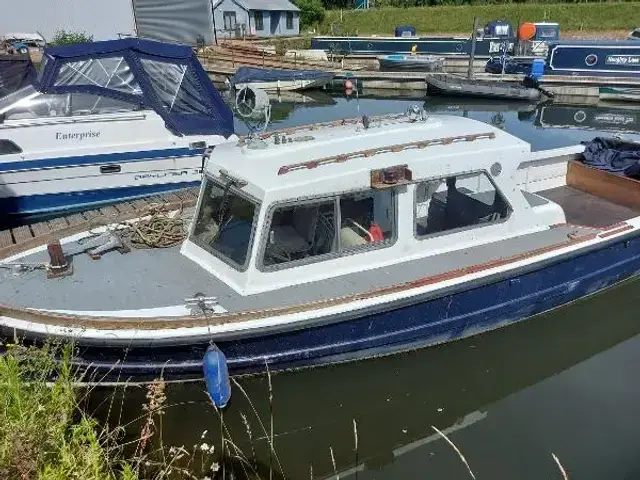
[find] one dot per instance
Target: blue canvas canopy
(16, 71)
(250, 75)
(167, 78)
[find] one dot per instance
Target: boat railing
(34, 122)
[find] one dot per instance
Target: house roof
(280, 5)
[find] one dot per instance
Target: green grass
(446, 19)
(43, 434)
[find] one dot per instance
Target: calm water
(565, 382)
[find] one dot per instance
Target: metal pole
(474, 36)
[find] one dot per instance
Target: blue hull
(466, 310)
(606, 59)
(41, 205)
(426, 45)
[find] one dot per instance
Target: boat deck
(582, 208)
(154, 278)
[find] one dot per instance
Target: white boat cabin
(323, 201)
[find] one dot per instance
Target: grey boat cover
(16, 71)
(613, 155)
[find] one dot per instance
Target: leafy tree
(63, 37)
(311, 12)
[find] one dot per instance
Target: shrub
(63, 37)
(311, 12)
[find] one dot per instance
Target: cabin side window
(224, 225)
(7, 147)
(458, 201)
(316, 230)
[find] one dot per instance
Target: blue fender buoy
(216, 376)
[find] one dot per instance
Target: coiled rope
(157, 231)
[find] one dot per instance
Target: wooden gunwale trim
(609, 233)
(104, 323)
(341, 158)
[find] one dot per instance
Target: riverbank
(582, 17)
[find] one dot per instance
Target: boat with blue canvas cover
(107, 121)
(333, 242)
(281, 79)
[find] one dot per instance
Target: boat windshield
(28, 103)
(224, 223)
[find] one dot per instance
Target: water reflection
(544, 125)
(457, 387)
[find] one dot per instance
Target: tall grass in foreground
(43, 434)
(46, 435)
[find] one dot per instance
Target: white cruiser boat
(107, 121)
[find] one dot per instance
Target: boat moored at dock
(107, 121)
(332, 242)
(606, 59)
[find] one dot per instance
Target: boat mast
(474, 35)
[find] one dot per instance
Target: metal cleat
(201, 305)
(110, 241)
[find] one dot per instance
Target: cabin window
(229, 20)
(112, 73)
(257, 17)
(301, 231)
(289, 20)
(52, 105)
(308, 232)
(455, 202)
(7, 147)
(224, 225)
(366, 218)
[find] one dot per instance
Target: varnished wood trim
(104, 323)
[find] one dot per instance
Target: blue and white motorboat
(277, 80)
(107, 121)
(333, 242)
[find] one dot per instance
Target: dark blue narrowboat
(494, 38)
(618, 59)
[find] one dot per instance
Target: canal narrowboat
(333, 242)
(494, 38)
(594, 59)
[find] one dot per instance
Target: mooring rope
(158, 231)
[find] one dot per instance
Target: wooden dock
(18, 239)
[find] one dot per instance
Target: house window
(458, 201)
(257, 17)
(229, 20)
(289, 20)
(323, 229)
(7, 147)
